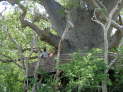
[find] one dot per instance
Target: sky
(5, 6)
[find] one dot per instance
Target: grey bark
(86, 34)
(57, 15)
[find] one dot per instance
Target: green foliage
(13, 34)
(11, 78)
(85, 71)
(49, 86)
(119, 67)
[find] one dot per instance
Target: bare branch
(116, 38)
(112, 63)
(120, 20)
(95, 4)
(116, 25)
(106, 27)
(97, 21)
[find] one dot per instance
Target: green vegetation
(11, 78)
(23, 41)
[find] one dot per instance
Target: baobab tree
(85, 34)
(85, 19)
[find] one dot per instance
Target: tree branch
(106, 26)
(116, 25)
(116, 38)
(45, 35)
(6, 61)
(9, 59)
(112, 63)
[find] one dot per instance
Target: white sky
(10, 8)
(4, 5)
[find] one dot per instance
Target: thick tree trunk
(85, 34)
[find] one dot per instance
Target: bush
(85, 71)
(11, 78)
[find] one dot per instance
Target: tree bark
(86, 34)
(57, 15)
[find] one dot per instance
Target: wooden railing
(48, 64)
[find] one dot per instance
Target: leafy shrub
(85, 71)
(11, 78)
